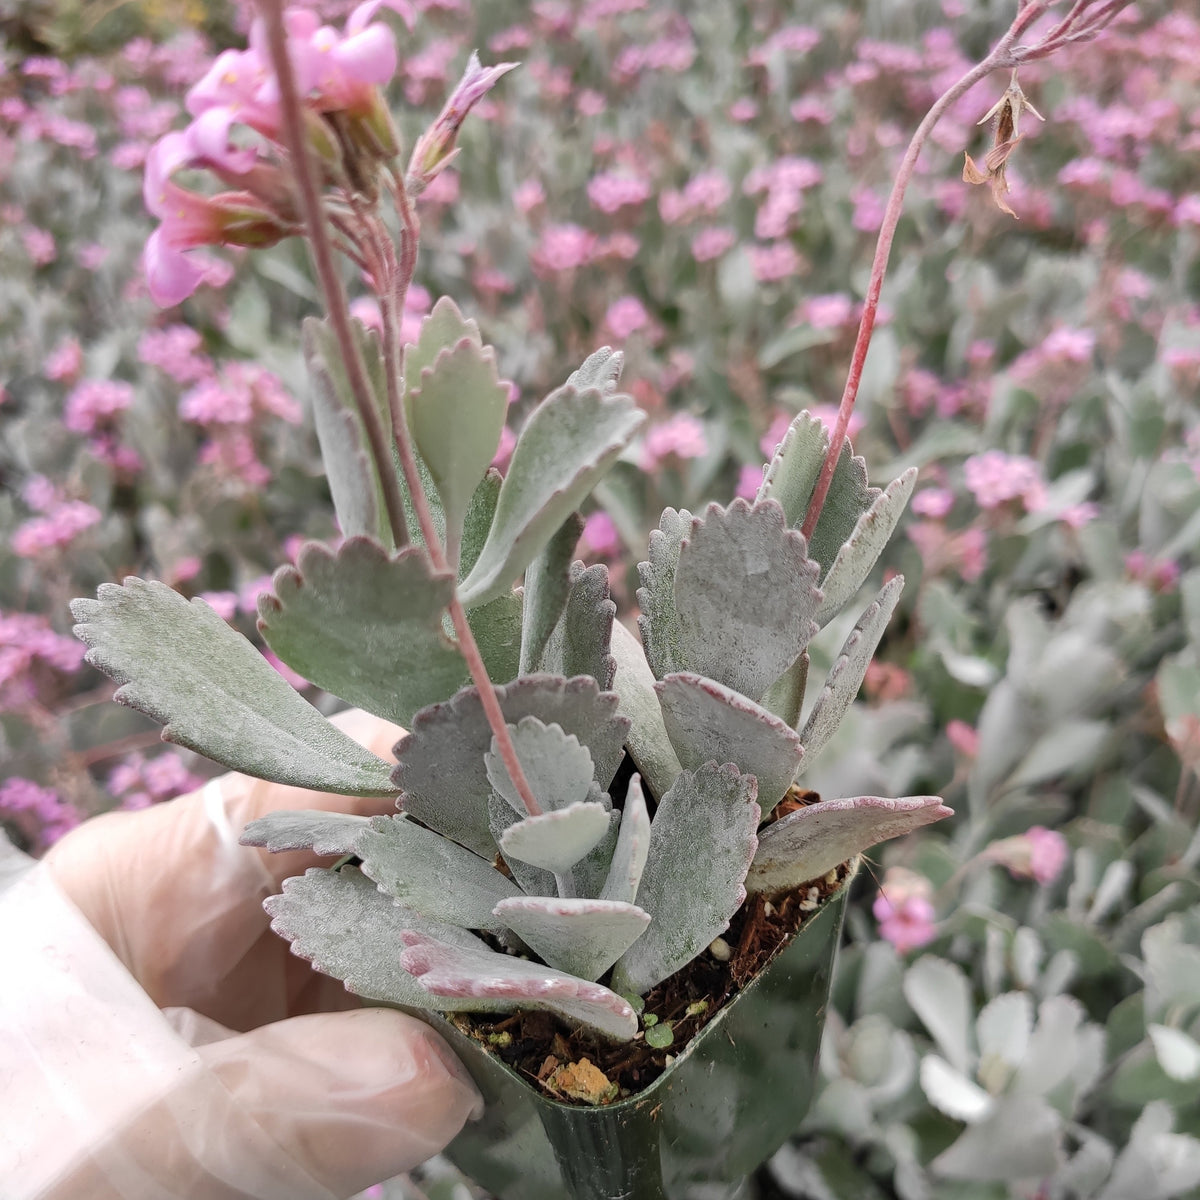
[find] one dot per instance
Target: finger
(351, 1098)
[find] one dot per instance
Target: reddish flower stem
(1006, 54)
(322, 253)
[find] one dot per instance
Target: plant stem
(323, 260)
(1006, 54)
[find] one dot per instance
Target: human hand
(316, 1097)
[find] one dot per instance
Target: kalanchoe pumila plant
(580, 817)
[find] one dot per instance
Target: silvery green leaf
(812, 841)
(1177, 1053)
(1156, 1164)
(349, 466)
(849, 669)
(547, 585)
(306, 829)
(580, 644)
(533, 881)
(648, 743)
(500, 981)
(1055, 1047)
(1003, 1029)
(745, 595)
(848, 499)
(365, 625)
(706, 720)
(347, 928)
(588, 875)
(480, 514)
(702, 842)
(496, 627)
(445, 326)
(456, 409)
(183, 666)
(1068, 747)
(601, 370)
(582, 937)
(557, 768)
(860, 553)
(785, 697)
(569, 442)
(441, 767)
(939, 993)
(794, 467)
(952, 1093)
(431, 874)
(1020, 1140)
(1172, 966)
(557, 840)
(656, 596)
(1113, 888)
(633, 844)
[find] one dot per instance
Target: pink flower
(58, 528)
(775, 262)
(1038, 853)
(962, 737)
(712, 242)
(933, 502)
(613, 190)
(563, 248)
(94, 403)
(65, 362)
(626, 316)
(749, 481)
(904, 910)
(827, 312)
(529, 195)
(175, 350)
(994, 478)
(681, 435)
(600, 535)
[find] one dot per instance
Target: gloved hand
(121, 1074)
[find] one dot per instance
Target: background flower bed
(1018, 1013)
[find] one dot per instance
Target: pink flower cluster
(176, 350)
(904, 909)
(28, 647)
(681, 436)
(94, 405)
(995, 478)
(139, 782)
(57, 529)
(1038, 854)
(611, 191)
(39, 812)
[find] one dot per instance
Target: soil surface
(576, 1068)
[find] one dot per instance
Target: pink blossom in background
(600, 535)
(769, 442)
(994, 478)
(943, 551)
(811, 108)
(508, 441)
(65, 362)
(826, 312)
(774, 262)
(56, 530)
(932, 502)
(224, 604)
(904, 910)
(1069, 345)
(39, 245)
(1038, 854)
(41, 812)
(241, 392)
(590, 103)
(750, 479)
(963, 737)
(707, 192)
(827, 415)
(712, 242)
(29, 648)
(294, 678)
(626, 316)
(1187, 211)
(39, 493)
(681, 435)
(620, 245)
(139, 782)
(1076, 516)
(743, 110)
(93, 256)
(1161, 574)
(563, 247)
(94, 403)
(529, 195)
(614, 190)
(868, 209)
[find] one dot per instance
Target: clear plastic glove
(158, 1041)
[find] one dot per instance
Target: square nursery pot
(730, 1099)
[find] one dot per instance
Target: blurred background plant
(1018, 1007)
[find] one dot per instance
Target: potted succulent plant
(603, 881)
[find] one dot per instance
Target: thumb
(351, 1098)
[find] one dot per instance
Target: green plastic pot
(728, 1102)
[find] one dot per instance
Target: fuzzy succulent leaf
(633, 844)
(601, 370)
(183, 666)
(581, 642)
(347, 928)
(792, 475)
(648, 743)
(445, 326)
(785, 697)
(811, 841)
(441, 768)
(365, 625)
(431, 874)
(849, 669)
(1020, 1139)
(556, 841)
(745, 594)
(953, 1093)
(500, 981)
(533, 880)
(939, 993)
(861, 551)
(702, 842)
(547, 585)
(558, 768)
(480, 514)
(582, 937)
(305, 829)
(706, 720)
(349, 466)
(496, 627)
(569, 442)
(656, 597)
(589, 874)
(456, 410)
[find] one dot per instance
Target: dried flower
(1007, 112)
